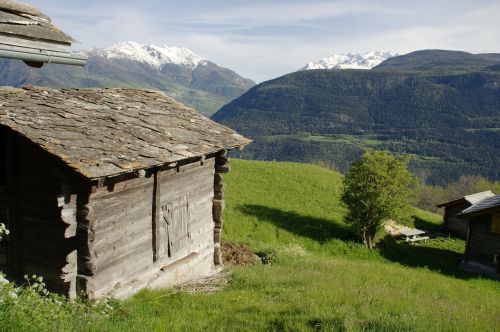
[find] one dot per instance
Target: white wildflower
(3, 281)
(3, 231)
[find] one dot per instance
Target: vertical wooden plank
(156, 216)
(466, 253)
(85, 265)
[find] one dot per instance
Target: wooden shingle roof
(107, 132)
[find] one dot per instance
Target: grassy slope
(318, 278)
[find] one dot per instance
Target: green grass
(369, 141)
(363, 141)
(319, 278)
(483, 129)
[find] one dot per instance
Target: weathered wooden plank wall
(126, 225)
(482, 243)
(454, 223)
(117, 227)
(194, 183)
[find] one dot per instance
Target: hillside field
(318, 278)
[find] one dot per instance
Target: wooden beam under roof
(27, 34)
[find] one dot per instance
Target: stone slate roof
(21, 20)
(472, 199)
(478, 197)
(105, 132)
(483, 206)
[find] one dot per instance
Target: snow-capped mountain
(366, 60)
(154, 55)
(177, 71)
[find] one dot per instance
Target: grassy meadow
(317, 276)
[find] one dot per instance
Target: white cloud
(264, 39)
(291, 13)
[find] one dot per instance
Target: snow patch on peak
(366, 60)
(153, 55)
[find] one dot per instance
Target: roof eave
(180, 160)
(41, 55)
(479, 212)
(456, 201)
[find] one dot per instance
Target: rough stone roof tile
(478, 197)
(13, 6)
(471, 199)
(106, 132)
(22, 20)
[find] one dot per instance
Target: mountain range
(444, 61)
(178, 72)
(441, 107)
(156, 56)
(366, 60)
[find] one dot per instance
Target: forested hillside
(450, 122)
(436, 60)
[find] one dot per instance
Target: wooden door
(175, 228)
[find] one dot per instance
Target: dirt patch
(238, 254)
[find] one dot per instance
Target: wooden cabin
(482, 252)
(29, 35)
(452, 219)
(108, 191)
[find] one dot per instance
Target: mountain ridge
(350, 60)
(178, 72)
(436, 59)
(448, 121)
(154, 55)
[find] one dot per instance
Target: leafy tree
(378, 187)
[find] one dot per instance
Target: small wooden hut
(452, 219)
(107, 191)
(482, 252)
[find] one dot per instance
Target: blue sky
(263, 39)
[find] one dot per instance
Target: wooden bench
(417, 238)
